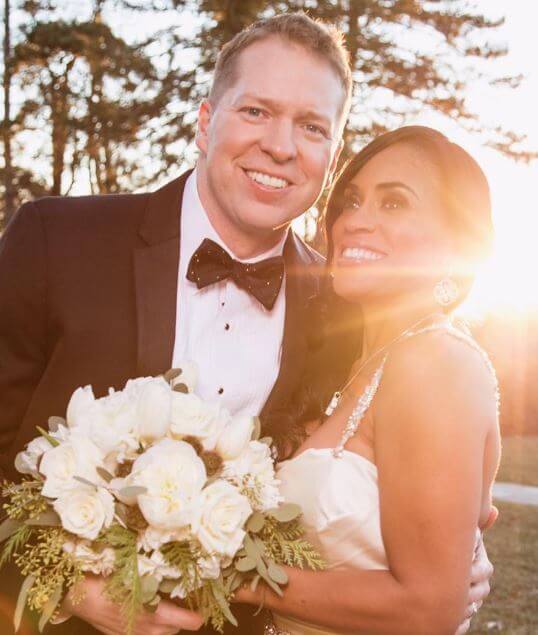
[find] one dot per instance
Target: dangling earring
(446, 291)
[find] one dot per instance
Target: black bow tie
(210, 263)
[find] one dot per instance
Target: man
(95, 290)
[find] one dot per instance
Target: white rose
(220, 517)
(27, 460)
(97, 562)
(85, 511)
(154, 410)
(235, 436)
(254, 470)
(173, 475)
(77, 456)
(193, 417)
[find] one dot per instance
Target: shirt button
(220, 391)
(226, 327)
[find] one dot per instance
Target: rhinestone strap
(363, 403)
(270, 628)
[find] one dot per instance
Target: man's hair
(323, 40)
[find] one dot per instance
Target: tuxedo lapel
(156, 263)
(302, 284)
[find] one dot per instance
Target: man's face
(270, 142)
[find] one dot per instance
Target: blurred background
(101, 96)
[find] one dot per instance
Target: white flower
(109, 422)
(27, 460)
(253, 472)
(82, 408)
(193, 417)
(156, 566)
(209, 567)
(234, 437)
(77, 456)
(85, 511)
(97, 562)
(173, 475)
(220, 517)
(154, 409)
(151, 538)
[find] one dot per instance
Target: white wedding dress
(338, 493)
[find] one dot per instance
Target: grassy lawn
(519, 463)
(512, 544)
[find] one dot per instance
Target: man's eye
(315, 130)
(253, 112)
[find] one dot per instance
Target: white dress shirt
(232, 338)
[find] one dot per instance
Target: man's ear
(202, 130)
(334, 162)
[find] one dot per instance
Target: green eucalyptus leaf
(85, 481)
(54, 442)
(286, 512)
(132, 490)
(167, 586)
(8, 528)
(262, 570)
(251, 549)
(257, 429)
(149, 585)
(21, 601)
(48, 518)
(245, 564)
(277, 573)
(171, 374)
(254, 583)
(223, 603)
(153, 605)
(55, 422)
(255, 522)
(49, 608)
(104, 474)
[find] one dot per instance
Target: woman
(398, 477)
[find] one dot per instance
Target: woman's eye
(351, 202)
(393, 203)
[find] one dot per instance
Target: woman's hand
(105, 616)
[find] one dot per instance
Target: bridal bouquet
(161, 493)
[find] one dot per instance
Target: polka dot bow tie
(210, 263)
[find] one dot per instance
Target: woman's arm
(434, 413)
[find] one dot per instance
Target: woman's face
(392, 237)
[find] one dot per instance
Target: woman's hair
(464, 192)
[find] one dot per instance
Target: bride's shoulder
(441, 367)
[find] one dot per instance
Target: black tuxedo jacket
(88, 296)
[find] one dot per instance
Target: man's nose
(279, 141)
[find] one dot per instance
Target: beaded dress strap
(365, 400)
(363, 403)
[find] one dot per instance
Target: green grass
(519, 463)
(512, 607)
